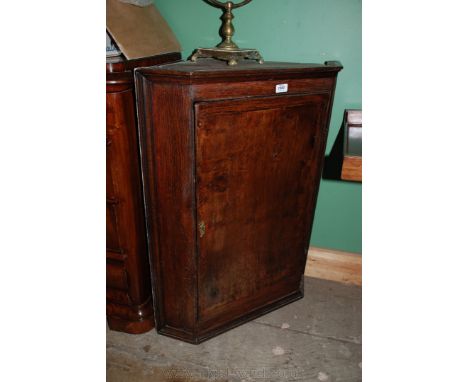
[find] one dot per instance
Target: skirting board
(333, 265)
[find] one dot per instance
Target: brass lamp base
(231, 56)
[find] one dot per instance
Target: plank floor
(317, 338)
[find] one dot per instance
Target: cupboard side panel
(167, 163)
(319, 163)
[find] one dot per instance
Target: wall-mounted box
(352, 149)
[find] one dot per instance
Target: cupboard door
(258, 166)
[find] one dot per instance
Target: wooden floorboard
(333, 265)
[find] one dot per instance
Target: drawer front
(112, 233)
(116, 276)
(125, 226)
(118, 296)
(258, 168)
(125, 215)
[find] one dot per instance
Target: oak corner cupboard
(128, 289)
(231, 165)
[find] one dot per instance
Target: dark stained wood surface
(209, 67)
(128, 292)
(120, 64)
(206, 70)
(231, 171)
(169, 205)
(242, 173)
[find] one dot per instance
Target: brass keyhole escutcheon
(202, 228)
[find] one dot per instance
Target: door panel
(258, 161)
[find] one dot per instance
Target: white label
(282, 88)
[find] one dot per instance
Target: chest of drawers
(128, 289)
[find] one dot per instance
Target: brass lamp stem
(227, 28)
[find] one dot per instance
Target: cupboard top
(209, 69)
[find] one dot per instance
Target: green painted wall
(299, 31)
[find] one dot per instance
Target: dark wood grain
(120, 64)
(231, 172)
(242, 173)
(129, 304)
(214, 71)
